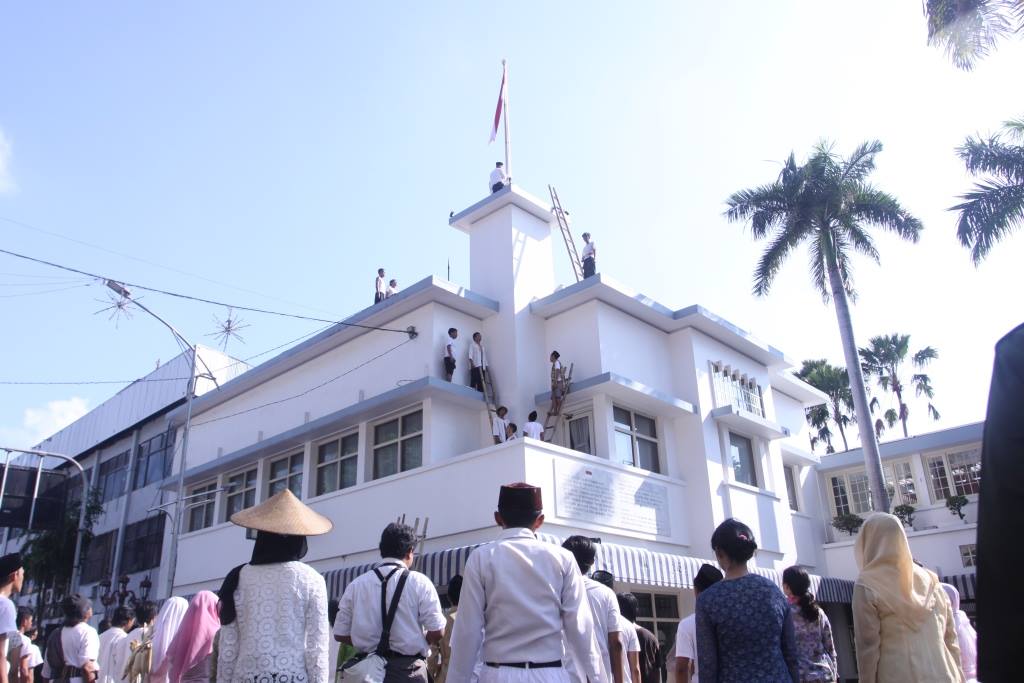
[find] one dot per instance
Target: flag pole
(508, 138)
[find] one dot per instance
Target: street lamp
(125, 293)
(123, 595)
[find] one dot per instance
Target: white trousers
(509, 674)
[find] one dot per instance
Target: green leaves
(882, 359)
(968, 30)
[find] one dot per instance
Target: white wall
(634, 349)
(937, 549)
(575, 334)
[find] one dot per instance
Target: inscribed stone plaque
(617, 499)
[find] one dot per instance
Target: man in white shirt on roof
(588, 256)
(392, 289)
(533, 429)
(603, 604)
(499, 425)
(379, 288)
(521, 599)
(419, 621)
(448, 357)
(12, 576)
(498, 178)
(477, 362)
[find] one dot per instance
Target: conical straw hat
(283, 513)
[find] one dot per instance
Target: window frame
(653, 622)
(853, 501)
(950, 483)
(969, 555)
(102, 478)
(635, 436)
(791, 475)
(138, 546)
(587, 413)
(246, 488)
(319, 467)
(289, 475)
(90, 572)
(754, 459)
(144, 453)
(399, 441)
(208, 503)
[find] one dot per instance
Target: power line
(303, 393)
(47, 291)
(201, 299)
(152, 263)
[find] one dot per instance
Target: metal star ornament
(118, 307)
(227, 329)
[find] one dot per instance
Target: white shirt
(588, 250)
(391, 291)
(630, 643)
(110, 649)
(497, 176)
(533, 429)
(686, 642)
(605, 608)
(477, 356)
(419, 610)
(80, 644)
(8, 625)
(499, 428)
(520, 598)
(449, 346)
(35, 657)
(380, 284)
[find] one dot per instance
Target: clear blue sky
(289, 150)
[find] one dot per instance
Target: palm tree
(818, 417)
(828, 202)
(996, 206)
(882, 359)
(834, 381)
(968, 30)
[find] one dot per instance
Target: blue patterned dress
(745, 633)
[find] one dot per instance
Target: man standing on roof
(477, 362)
(498, 177)
(448, 357)
(521, 599)
(380, 289)
(588, 256)
(392, 289)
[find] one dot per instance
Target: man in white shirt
(12, 576)
(498, 178)
(34, 657)
(360, 623)
(378, 292)
(603, 605)
(588, 256)
(477, 362)
(533, 429)
(630, 642)
(17, 650)
(145, 614)
(79, 641)
(686, 635)
(521, 599)
(112, 658)
(449, 352)
(499, 425)
(392, 289)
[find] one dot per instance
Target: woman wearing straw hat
(273, 610)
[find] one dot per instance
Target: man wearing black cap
(520, 598)
(12, 575)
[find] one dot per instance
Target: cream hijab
(887, 568)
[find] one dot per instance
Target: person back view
(604, 606)
(79, 641)
(135, 651)
(111, 666)
(418, 609)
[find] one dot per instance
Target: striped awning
(966, 585)
(628, 564)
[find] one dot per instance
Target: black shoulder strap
(387, 614)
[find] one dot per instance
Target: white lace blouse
(281, 634)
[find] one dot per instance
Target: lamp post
(123, 595)
(123, 292)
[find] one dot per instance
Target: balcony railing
(731, 389)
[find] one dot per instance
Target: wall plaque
(610, 498)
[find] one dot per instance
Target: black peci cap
(520, 497)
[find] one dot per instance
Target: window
(336, 464)
(153, 460)
(113, 475)
(200, 506)
(899, 482)
(792, 477)
(659, 614)
(636, 439)
(580, 438)
(851, 493)
(398, 445)
(286, 473)
(956, 473)
(969, 555)
(241, 492)
(143, 544)
(732, 388)
(741, 455)
(840, 498)
(75, 487)
(99, 557)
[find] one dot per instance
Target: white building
(128, 451)
(676, 420)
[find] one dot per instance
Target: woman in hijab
(902, 619)
(966, 637)
(273, 610)
(165, 628)
(188, 657)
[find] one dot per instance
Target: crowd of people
(523, 610)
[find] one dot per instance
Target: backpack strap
(387, 613)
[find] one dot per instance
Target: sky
(274, 155)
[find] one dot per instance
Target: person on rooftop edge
(743, 622)
(273, 610)
(498, 178)
(521, 599)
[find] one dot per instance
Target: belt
(526, 665)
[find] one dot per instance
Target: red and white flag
(501, 104)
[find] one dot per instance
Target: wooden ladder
(490, 398)
(563, 224)
(554, 419)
